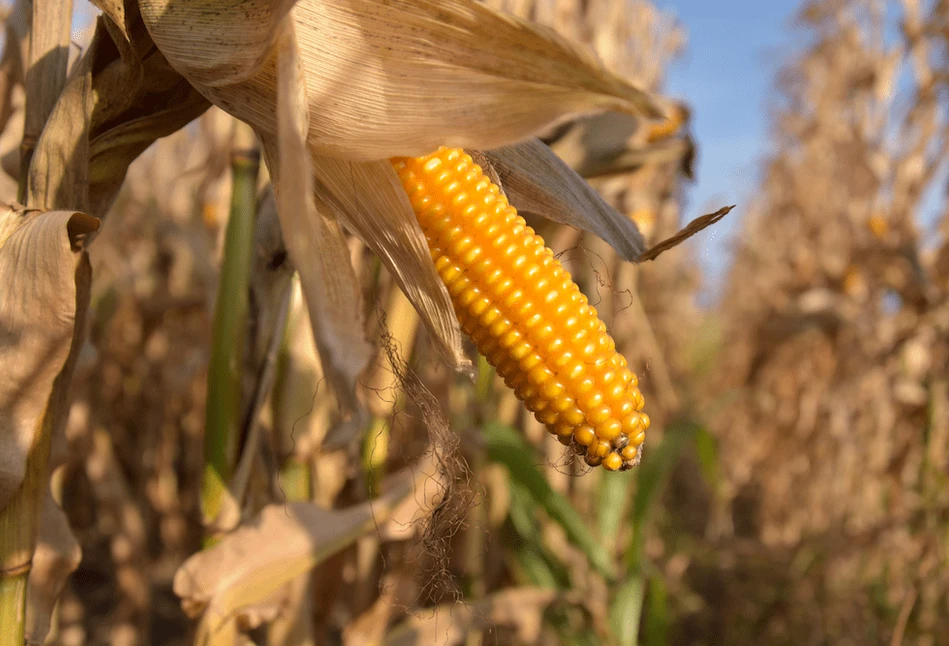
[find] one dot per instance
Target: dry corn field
(364, 322)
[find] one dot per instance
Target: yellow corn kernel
(524, 312)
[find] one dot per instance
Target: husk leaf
(371, 202)
(386, 79)
(314, 239)
(537, 181)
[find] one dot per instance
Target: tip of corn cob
(524, 312)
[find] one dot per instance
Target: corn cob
(524, 312)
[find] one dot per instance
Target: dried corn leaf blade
(248, 565)
(38, 260)
(314, 240)
(371, 202)
(370, 627)
(156, 101)
(536, 181)
(397, 78)
(447, 625)
(57, 556)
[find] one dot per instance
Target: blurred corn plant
(833, 430)
(228, 395)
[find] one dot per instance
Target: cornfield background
(794, 486)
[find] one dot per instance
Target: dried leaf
(115, 10)
(314, 240)
(87, 146)
(521, 609)
(693, 227)
(399, 78)
(49, 60)
(411, 514)
(612, 143)
(370, 201)
(38, 264)
(57, 556)
(369, 628)
(221, 60)
(294, 624)
(59, 169)
(285, 541)
(537, 181)
(300, 420)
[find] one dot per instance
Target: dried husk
(370, 201)
(286, 540)
(538, 182)
(363, 92)
(314, 239)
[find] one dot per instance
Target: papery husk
(387, 79)
(286, 540)
(538, 182)
(314, 239)
(401, 83)
(370, 200)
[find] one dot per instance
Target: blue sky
(735, 47)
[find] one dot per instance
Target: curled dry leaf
(57, 556)
(611, 144)
(538, 182)
(39, 258)
(254, 561)
(87, 145)
(693, 227)
(314, 239)
(365, 61)
(520, 609)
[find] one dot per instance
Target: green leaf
(626, 610)
(707, 452)
(539, 569)
(653, 474)
(657, 620)
(614, 504)
(506, 447)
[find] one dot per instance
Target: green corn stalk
(224, 406)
